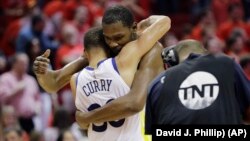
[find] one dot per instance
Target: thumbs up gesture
(41, 64)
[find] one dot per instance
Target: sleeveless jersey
(97, 87)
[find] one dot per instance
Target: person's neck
(18, 75)
(96, 59)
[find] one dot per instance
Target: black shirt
(204, 89)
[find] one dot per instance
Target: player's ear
(86, 54)
(134, 26)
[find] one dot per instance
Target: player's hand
(80, 119)
(41, 64)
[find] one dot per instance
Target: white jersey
(97, 87)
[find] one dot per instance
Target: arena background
(221, 25)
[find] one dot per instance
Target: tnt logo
(199, 90)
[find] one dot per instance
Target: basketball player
(203, 89)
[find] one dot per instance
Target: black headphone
(170, 56)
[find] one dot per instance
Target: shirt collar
(193, 56)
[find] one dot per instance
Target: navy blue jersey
(202, 90)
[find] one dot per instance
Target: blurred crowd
(29, 27)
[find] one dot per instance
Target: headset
(170, 56)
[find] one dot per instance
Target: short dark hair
(14, 58)
(232, 39)
(94, 38)
(244, 61)
(36, 19)
(116, 14)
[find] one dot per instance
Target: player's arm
(131, 54)
(73, 85)
(51, 80)
(150, 66)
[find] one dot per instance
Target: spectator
(54, 19)
(80, 22)
(206, 21)
(35, 31)
(73, 38)
(235, 47)
(221, 6)
(68, 52)
(28, 32)
(235, 21)
(10, 35)
(245, 64)
(61, 122)
(214, 46)
(9, 119)
(20, 90)
(65, 53)
(66, 136)
(243, 35)
(207, 34)
(33, 50)
(3, 64)
(13, 135)
(36, 136)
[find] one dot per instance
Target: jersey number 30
(103, 127)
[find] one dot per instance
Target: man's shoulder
(218, 56)
(156, 49)
(221, 58)
(7, 75)
(153, 58)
